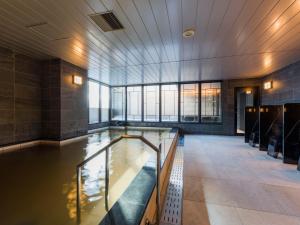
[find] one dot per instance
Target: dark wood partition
(270, 129)
(291, 144)
(252, 124)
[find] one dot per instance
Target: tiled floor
(227, 182)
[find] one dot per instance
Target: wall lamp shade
(249, 92)
(268, 85)
(77, 80)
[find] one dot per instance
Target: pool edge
(150, 211)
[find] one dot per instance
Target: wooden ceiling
(233, 38)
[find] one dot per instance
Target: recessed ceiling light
(189, 33)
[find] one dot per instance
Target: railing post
(106, 149)
(158, 164)
(106, 178)
(78, 186)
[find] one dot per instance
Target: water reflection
(47, 176)
(71, 199)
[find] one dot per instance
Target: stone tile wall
(74, 102)
(39, 101)
(286, 86)
(65, 106)
(20, 98)
(51, 99)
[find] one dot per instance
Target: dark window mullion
(142, 103)
(160, 103)
(100, 104)
(179, 102)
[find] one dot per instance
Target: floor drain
(171, 214)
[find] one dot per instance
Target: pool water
(38, 185)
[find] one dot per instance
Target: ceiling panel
(269, 24)
(215, 22)
(233, 38)
(231, 17)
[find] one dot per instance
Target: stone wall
(51, 99)
(286, 86)
(65, 106)
(20, 98)
(39, 101)
(74, 102)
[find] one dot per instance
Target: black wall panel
(291, 146)
(251, 123)
(270, 124)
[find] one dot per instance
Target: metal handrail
(106, 149)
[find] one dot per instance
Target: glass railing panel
(126, 161)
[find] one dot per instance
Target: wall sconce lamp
(268, 85)
(248, 92)
(77, 80)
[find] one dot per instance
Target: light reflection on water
(47, 177)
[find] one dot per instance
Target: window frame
(159, 103)
(101, 102)
(142, 103)
(178, 103)
(178, 121)
(88, 99)
(222, 113)
(123, 104)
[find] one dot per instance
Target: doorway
(244, 96)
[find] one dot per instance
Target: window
(94, 102)
(169, 102)
(189, 102)
(104, 103)
(118, 103)
(151, 103)
(211, 102)
(134, 103)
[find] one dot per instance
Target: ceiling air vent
(107, 21)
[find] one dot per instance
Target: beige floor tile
(287, 198)
(235, 173)
(223, 176)
(251, 195)
(193, 189)
(223, 215)
(252, 217)
(194, 213)
(218, 191)
(197, 158)
(199, 170)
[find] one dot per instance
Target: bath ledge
(98, 129)
(17, 147)
(20, 146)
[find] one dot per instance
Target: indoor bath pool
(38, 184)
